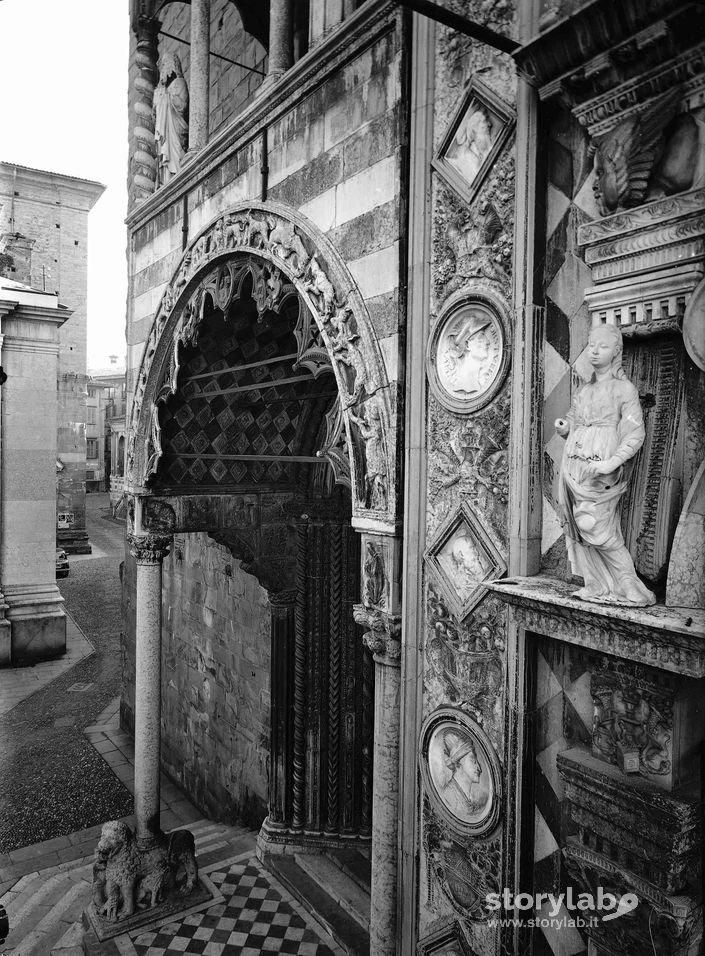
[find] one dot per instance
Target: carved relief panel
(467, 360)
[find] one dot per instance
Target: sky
(63, 76)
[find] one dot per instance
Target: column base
(174, 907)
(37, 623)
(73, 542)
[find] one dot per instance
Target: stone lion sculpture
(126, 877)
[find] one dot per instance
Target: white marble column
(280, 38)
(385, 795)
(149, 552)
(199, 76)
(382, 639)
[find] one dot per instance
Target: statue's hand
(562, 427)
(594, 468)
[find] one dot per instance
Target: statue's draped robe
(605, 421)
(171, 126)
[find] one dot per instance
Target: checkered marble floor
(258, 916)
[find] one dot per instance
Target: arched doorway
(192, 459)
(247, 421)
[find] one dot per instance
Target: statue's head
(169, 66)
(605, 348)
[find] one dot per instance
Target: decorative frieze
(635, 839)
(666, 638)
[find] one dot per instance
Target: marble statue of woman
(603, 430)
(170, 117)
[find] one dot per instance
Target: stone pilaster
(280, 39)
(383, 639)
(143, 162)
(149, 552)
(283, 605)
(199, 80)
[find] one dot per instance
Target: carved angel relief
(643, 154)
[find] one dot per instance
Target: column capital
(382, 635)
(149, 548)
(282, 600)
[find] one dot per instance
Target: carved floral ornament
(285, 256)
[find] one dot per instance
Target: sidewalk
(18, 683)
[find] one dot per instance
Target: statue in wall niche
(604, 430)
(170, 117)
(370, 426)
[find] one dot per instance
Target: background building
(105, 427)
(44, 243)
(32, 620)
(356, 307)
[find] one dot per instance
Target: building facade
(44, 244)
(365, 261)
(105, 427)
(32, 619)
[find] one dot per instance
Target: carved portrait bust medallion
(468, 353)
(460, 771)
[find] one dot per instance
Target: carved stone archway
(283, 253)
(280, 247)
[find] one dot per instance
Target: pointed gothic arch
(283, 253)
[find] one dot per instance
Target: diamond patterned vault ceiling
(205, 423)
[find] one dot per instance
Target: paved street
(54, 781)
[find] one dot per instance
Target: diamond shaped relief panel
(463, 558)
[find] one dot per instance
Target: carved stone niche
(632, 838)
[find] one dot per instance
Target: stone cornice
(39, 313)
(671, 639)
(340, 46)
(87, 189)
(654, 213)
(585, 34)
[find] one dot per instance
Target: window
(91, 393)
(91, 448)
(90, 412)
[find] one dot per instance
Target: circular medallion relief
(468, 353)
(460, 771)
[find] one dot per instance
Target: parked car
(62, 564)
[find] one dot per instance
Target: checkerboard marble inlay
(255, 918)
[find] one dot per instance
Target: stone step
(355, 863)
(70, 944)
(46, 923)
(330, 896)
(345, 891)
(45, 907)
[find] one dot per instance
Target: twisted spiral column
(143, 162)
